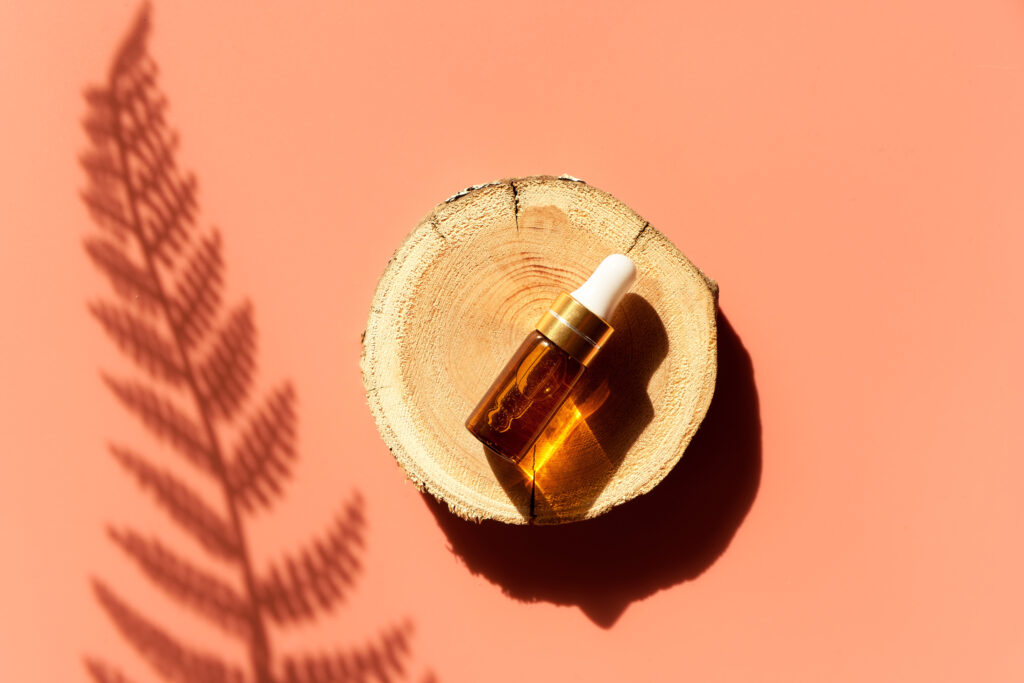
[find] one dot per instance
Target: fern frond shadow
(203, 592)
(183, 505)
(101, 672)
(384, 660)
(320, 575)
(200, 363)
(172, 659)
(264, 454)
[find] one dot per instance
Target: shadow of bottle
(658, 540)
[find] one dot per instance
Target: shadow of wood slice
(463, 291)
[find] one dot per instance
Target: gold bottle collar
(574, 328)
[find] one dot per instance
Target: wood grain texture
(467, 286)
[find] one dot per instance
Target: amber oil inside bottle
(528, 392)
(521, 402)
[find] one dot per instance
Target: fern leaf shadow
(199, 363)
(101, 672)
(670, 535)
(384, 660)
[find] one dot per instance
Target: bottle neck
(574, 328)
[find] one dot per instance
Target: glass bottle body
(524, 397)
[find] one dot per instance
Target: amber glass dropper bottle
(542, 372)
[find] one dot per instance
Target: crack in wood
(638, 236)
(515, 203)
(433, 224)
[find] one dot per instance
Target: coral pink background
(850, 172)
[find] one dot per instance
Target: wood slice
(460, 295)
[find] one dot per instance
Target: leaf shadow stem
(259, 646)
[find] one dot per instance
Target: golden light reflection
(567, 431)
(558, 431)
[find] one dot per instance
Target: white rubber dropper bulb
(604, 289)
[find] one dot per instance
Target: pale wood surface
(462, 292)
